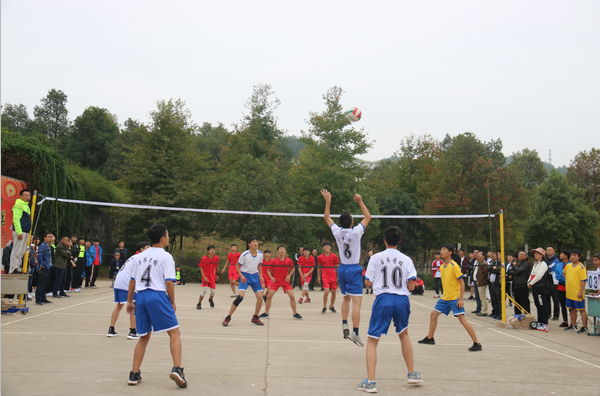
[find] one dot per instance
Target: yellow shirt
(573, 278)
(450, 275)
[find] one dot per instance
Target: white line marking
(548, 349)
(55, 310)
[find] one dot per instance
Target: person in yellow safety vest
(20, 231)
(78, 251)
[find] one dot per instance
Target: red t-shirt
(279, 273)
(328, 274)
(209, 265)
(232, 258)
(97, 257)
(304, 262)
(266, 267)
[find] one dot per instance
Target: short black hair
(250, 239)
(461, 250)
(281, 246)
(47, 233)
(121, 241)
(96, 240)
(141, 245)
(436, 253)
(73, 235)
(210, 247)
(346, 219)
(392, 235)
(597, 255)
(65, 237)
(306, 248)
(577, 252)
(449, 246)
(566, 252)
(156, 232)
(510, 254)
(266, 251)
(80, 238)
(117, 252)
(523, 251)
(233, 244)
(326, 243)
(24, 191)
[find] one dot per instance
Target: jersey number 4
(146, 276)
(396, 277)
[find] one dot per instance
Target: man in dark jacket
(520, 272)
(44, 264)
(495, 269)
(62, 260)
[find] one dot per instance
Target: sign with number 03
(593, 280)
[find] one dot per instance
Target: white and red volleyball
(354, 114)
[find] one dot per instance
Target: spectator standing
(576, 278)
(482, 283)
(45, 264)
(510, 259)
(78, 253)
(296, 275)
(437, 275)
(6, 256)
(365, 265)
(311, 285)
(62, 260)
(96, 251)
(494, 270)
(473, 282)
(122, 253)
(552, 261)
(20, 230)
(32, 265)
(520, 272)
(537, 283)
(561, 289)
(115, 264)
(88, 263)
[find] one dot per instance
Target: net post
(26, 257)
(502, 265)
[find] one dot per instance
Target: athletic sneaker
(111, 332)
(134, 378)
(132, 335)
(94, 287)
(226, 321)
(233, 295)
(571, 328)
(264, 315)
(332, 309)
(297, 316)
(307, 300)
(542, 327)
(212, 303)
(198, 306)
(583, 330)
(367, 386)
(475, 348)
(414, 378)
(177, 376)
(256, 321)
(436, 296)
(346, 330)
(300, 301)
(355, 338)
(323, 311)
(427, 340)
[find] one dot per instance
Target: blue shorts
(445, 307)
(578, 305)
(385, 308)
(153, 311)
(252, 280)
(350, 279)
(121, 296)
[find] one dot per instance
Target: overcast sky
(527, 72)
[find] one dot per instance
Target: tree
(530, 168)
(15, 118)
(211, 140)
(560, 217)
(52, 117)
(93, 132)
(584, 172)
(117, 150)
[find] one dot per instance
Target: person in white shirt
(437, 275)
(153, 278)
(392, 275)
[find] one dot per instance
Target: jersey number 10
(396, 277)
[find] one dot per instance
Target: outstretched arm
(364, 209)
(327, 195)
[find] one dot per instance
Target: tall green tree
(132, 134)
(211, 140)
(51, 116)
(530, 168)
(92, 134)
(560, 217)
(584, 172)
(15, 118)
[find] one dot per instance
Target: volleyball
(354, 114)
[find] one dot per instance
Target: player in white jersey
(349, 271)
(392, 275)
(153, 278)
(249, 267)
(121, 286)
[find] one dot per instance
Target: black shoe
(332, 309)
(264, 315)
(39, 303)
(198, 306)
(297, 316)
(56, 296)
(64, 295)
(323, 311)
(481, 314)
(471, 298)
(475, 312)
(427, 340)
(134, 378)
(211, 302)
(47, 302)
(555, 319)
(475, 348)
(177, 376)
(498, 317)
(493, 316)
(111, 332)
(311, 289)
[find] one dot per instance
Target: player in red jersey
(280, 275)
(304, 263)
(328, 276)
(208, 270)
(265, 267)
(232, 258)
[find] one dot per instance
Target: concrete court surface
(62, 349)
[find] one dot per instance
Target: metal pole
(26, 257)
(503, 265)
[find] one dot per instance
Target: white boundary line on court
(54, 310)
(548, 349)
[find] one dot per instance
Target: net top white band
(242, 212)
